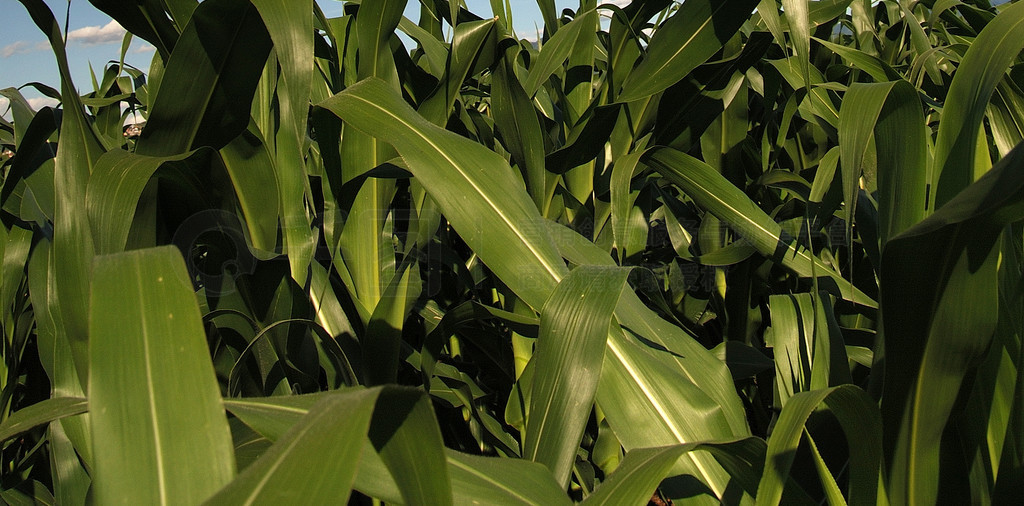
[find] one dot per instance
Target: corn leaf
(153, 395)
(570, 348)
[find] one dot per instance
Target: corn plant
(709, 251)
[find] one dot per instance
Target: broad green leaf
(696, 31)
(824, 175)
(892, 114)
(878, 70)
(578, 83)
(471, 184)
(648, 400)
(550, 15)
(71, 480)
(55, 352)
(40, 413)
(382, 342)
(901, 142)
(472, 476)
(570, 348)
(556, 50)
(687, 356)
(247, 163)
(979, 72)
(720, 197)
(153, 395)
(321, 451)
(72, 241)
(636, 477)
(502, 481)
(922, 46)
(434, 49)
(368, 256)
(290, 26)
(405, 433)
(21, 112)
(519, 128)
(14, 250)
(472, 47)
(1005, 116)
(622, 200)
(206, 89)
(800, 34)
(383, 17)
(858, 416)
(940, 299)
(403, 425)
(114, 190)
(272, 416)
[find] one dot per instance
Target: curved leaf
(470, 183)
(940, 302)
(687, 39)
(206, 90)
(976, 78)
(858, 416)
(331, 434)
(720, 197)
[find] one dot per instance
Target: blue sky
(94, 39)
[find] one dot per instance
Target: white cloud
(39, 102)
(93, 35)
(147, 48)
(22, 47)
(4, 104)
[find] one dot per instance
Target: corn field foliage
(710, 251)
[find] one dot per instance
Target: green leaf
(146, 20)
(570, 348)
(382, 342)
(981, 69)
(153, 395)
(114, 190)
(721, 198)
(940, 311)
(290, 26)
(891, 112)
(472, 48)
(330, 435)
(42, 412)
(686, 355)
(878, 70)
(556, 50)
(637, 476)
(696, 31)
(642, 469)
(248, 164)
(403, 425)
(206, 90)
(72, 241)
(406, 435)
(807, 345)
(858, 416)
(454, 169)
(475, 188)
(520, 131)
(502, 481)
